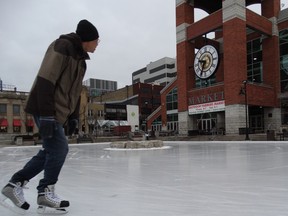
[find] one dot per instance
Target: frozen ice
(182, 179)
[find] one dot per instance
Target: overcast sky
(132, 34)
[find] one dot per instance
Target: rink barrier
(137, 144)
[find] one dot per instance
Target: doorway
(205, 125)
(256, 119)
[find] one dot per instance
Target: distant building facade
(97, 87)
(13, 118)
(160, 72)
(114, 106)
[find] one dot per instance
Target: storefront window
(3, 125)
(3, 129)
(16, 129)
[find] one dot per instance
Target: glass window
(205, 83)
(3, 129)
(172, 100)
(3, 109)
(283, 40)
(16, 129)
(254, 61)
(16, 109)
(172, 122)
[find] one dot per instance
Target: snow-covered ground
(182, 179)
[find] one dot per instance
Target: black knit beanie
(87, 31)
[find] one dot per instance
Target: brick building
(247, 58)
(113, 105)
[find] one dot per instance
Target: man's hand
(47, 126)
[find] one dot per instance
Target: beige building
(13, 118)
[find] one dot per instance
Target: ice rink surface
(183, 179)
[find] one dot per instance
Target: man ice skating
(54, 99)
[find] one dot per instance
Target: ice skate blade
(7, 203)
(51, 211)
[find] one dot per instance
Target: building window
(3, 125)
(200, 83)
(16, 125)
(172, 100)
(283, 40)
(254, 61)
(90, 113)
(16, 129)
(16, 109)
(116, 112)
(3, 129)
(157, 69)
(172, 104)
(157, 124)
(172, 122)
(170, 66)
(3, 109)
(29, 124)
(100, 113)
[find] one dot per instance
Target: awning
(16, 122)
(3, 123)
(30, 123)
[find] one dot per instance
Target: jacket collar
(76, 41)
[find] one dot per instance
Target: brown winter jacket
(57, 87)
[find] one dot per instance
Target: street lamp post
(243, 91)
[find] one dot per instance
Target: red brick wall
(270, 8)
(200, 92)
(258, 22)
(271, 66)
(204, 25)
(235, 59)
(184, 14)
(260, 95)
(283, 25)
(185, 72)
(185, 56)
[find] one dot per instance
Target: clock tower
(206, 62)
(211, 70)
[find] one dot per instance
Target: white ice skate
(12, 197)
(50, 203)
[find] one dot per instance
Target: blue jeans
(50, 159)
